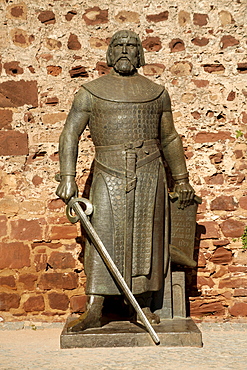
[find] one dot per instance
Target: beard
(124, 66)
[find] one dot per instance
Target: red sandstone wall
(48, 49)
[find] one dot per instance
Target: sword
(80, 214)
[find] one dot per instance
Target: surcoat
(124, 125)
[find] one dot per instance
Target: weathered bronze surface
(182, 230)
(131, 125)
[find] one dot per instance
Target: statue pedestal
(176, 332)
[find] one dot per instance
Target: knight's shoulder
(82, 100)
(91, 85)
(166, 100)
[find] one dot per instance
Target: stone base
(177, 332)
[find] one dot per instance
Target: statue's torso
(114, 123)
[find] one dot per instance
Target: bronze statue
(131, 125)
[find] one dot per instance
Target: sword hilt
(86, 206)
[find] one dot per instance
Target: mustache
(122, 57)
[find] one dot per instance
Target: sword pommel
(86, 206)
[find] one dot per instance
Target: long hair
(125, 33)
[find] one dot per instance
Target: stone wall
(48, 50)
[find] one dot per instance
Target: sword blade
(112, 267)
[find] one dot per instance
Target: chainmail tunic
(115, 127)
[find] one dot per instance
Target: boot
(91, 318)
(144, 301)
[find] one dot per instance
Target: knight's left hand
(185, 193)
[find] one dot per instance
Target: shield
(182, 232)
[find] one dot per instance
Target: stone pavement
(36, 346)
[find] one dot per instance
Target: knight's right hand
(67, 188)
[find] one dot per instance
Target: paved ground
(37, 347)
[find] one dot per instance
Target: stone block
(8, 301)
(47, 17)
(78, 303)
(15, 255)
(9, 205)
(207, 137)
(18, 93)
(127, 16)
(152, 44)
(154, 69)
(224, 203)
(28, 281)
(53, 44)
(214, 68)
(21, 38)
(208, 230)
(3, 226)
(200, 83)
(183, 18)
(221, 271)
(243, 202)
(95, 15)
(242, 67)
(238, 309)
(70, 15)
(8, 281)
(6, 117)
(37, 180)
(215, 179)
(97, 43)
(26, 230)
(202, 280)
(17, 11)
(200, 19)
(233, 268)
(201, 260)
(232, 228)
(176, 45)
(56, 204)
(221, 243)
(225, 17)
(63, 232)
(78, 71)
(59, 260)
(200, 41)
(230, 282)
(231, 96)
(73, 42)
(58, 280)
(13, 143)
(202, 307)
(196, 115)
(13, 68)
(52, 101)
(54, 70)
(221, 256)
(58, 301)
(102, 68)
(240, 293)
(180, 69)
(228, 40)
(34, 303)
(241, 258)
(51, 118)
(160, 17)
(40, 261)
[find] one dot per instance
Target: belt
(122, 174)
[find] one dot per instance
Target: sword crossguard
(73, 218)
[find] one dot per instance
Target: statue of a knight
(131, 126)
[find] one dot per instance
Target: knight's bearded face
(125, 55)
